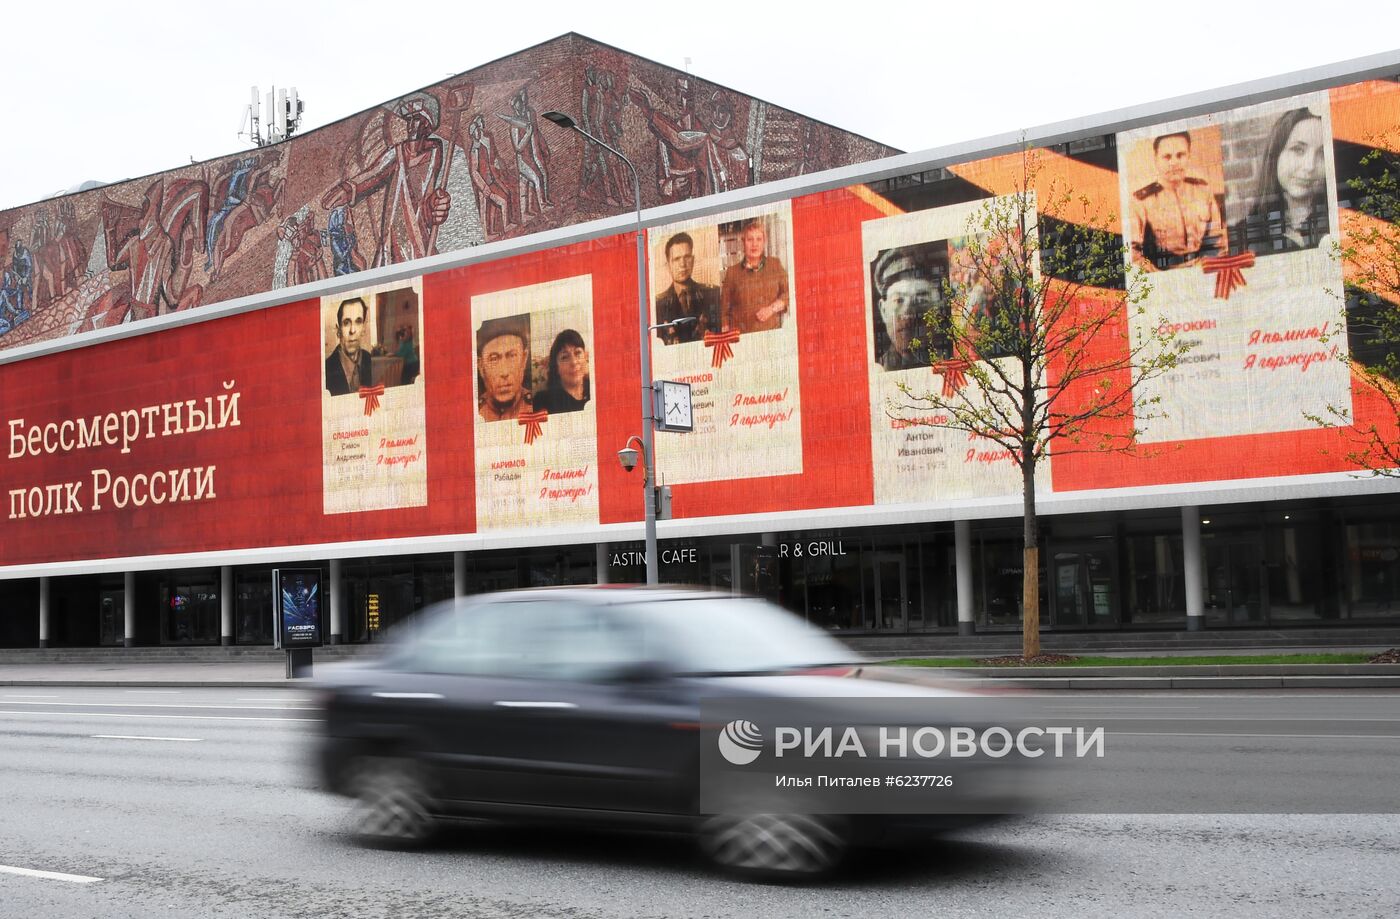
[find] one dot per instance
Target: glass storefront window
(19, 631)
(835, 598)
(1262, 565)
(1084, 580)
(888, 583)
(189, 607)
(1293, 565)
(1372, 570)
(933, 593)
(111, 625)
(379, 596)
(997, 582)
(1155, 579)
(561, 567)
(253, 605)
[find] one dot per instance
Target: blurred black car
(582, 704)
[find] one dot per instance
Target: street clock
(673, 410)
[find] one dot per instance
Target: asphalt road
(194, 803)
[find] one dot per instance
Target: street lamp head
(559, 118)
(676, 323)
(627, 456)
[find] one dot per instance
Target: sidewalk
(244, 674)
(272, 675)
(1187, 676)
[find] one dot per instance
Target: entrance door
(890, 591)
(1234, 582)
(1083, 578)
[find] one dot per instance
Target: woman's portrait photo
(567, 385)
(1282, 206)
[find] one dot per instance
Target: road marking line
(144, 737)
(1242, 716)
(1227, 736)
(154, 692)
(30, 696)
(185, 717)
(1207, 694)
(246, 708)
(298, 699)
(50, 875)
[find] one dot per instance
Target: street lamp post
(644, 330)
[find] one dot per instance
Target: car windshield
(730, 635)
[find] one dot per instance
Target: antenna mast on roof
(280, 116)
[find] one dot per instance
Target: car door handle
(407, 695)
(509, 704)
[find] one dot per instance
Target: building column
(129, 609)
(226, 605)
(1191, 560)
(44, 612)
(962, 557)
(1290, 565)
(601, 555)
(459, 575)
(333, 592)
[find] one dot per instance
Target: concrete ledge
(1239, 682)
(1116, 683)
(1347, 682)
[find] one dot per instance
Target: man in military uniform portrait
(685, 297)
(1176, 220)
(349, 366)
(502, 362)
(908, 284)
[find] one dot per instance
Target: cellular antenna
(272, 118)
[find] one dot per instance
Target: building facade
(429, 425)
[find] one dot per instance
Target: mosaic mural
(463, 162)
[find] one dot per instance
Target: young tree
(1042, 341)
(1370, 257)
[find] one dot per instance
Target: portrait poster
(1246, 275)
(537, 422)
(733, 275)
(909, 258)
(374, 439)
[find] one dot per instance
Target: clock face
(675, 406)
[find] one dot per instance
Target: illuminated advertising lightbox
(297, 607)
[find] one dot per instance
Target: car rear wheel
(775, 846)
(392, 806)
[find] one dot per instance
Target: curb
(1161, 683)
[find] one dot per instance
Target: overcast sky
(115, 90)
